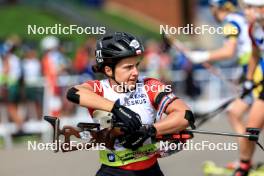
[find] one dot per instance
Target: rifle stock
(55, 123)
(106, 135)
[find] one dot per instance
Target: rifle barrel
(219, 133)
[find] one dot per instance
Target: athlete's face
(260, 14)
(254, 13)
(250, 13)
(126, 71)
(216, 13)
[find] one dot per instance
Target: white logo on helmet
(99, 56)
(135, 44)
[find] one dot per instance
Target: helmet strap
(113, 78)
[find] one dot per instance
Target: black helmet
(112, 48)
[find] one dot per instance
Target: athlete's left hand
(248, 86)
(198, 57)
(136, 140)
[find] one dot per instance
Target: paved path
(21, 162)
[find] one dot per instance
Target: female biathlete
(137, 105)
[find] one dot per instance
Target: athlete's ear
(108, 71)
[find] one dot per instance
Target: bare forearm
(219, 55)
(174, 122)
(224, 53)
(90, 99)
(94, 101)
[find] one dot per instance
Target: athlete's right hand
(125, 118)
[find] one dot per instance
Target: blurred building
(170, 12)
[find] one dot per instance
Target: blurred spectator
(67, 62)
(12, 72)
(33, 92)
(68, 107)
(165, 67)
(191, 87)
(85, 58)
(180, 62)
(54, 65)
(157, 63)
(2, 80)
(152, 59)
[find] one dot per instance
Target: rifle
(105, 132)
(91, 132)
(96, 133)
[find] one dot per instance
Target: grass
(22, 140)
(116, 21)
(125, 24)
(15, 19)
(1, 143)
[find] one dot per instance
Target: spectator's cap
(49, 43)
(112, 48)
